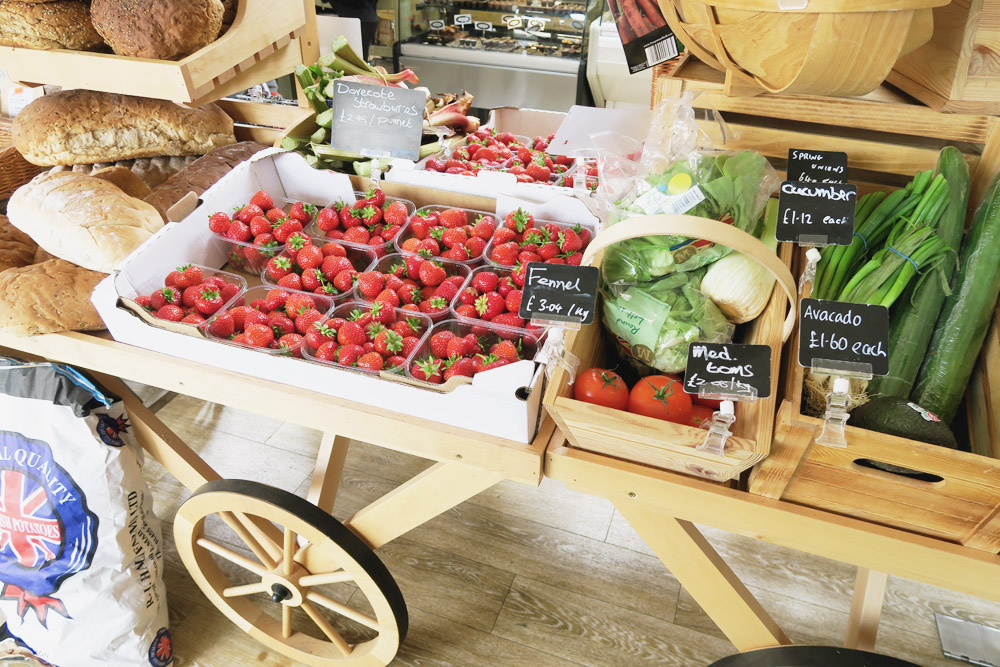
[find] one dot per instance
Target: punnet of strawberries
(269, 318)
(492, 295)
(519, 240)
(457, 234)
(191, 293)
(311, 265)
(489, 150)
(259, 229)
(413, 282)
(458, 348)
(373, 220)
(367, 336)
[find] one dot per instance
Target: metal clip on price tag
(725, 416)
(838, 400)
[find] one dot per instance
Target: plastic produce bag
(80, 549)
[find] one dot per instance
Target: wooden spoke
(286, 621)
(338, 577)
(265, 533)
(246, 589)
(342, 609)
(328, 630)
(288, 551)
(239, 524)
(232, 556)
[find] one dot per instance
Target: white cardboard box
(489, 405)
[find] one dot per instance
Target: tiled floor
(525, 576)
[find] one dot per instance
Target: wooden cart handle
(701, 228)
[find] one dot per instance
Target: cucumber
(966, 315)
(913, 321)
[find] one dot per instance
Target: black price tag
(559, 292)
(818, 214)
(844, 336)
(729, 369)
(377, 121)
(817, 166)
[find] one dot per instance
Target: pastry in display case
(523, 53)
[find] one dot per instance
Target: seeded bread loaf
(48, 297)
(82, 219)
(84, 126)
(151, 170)
(64, 24)
(16, 248)
(161, 29)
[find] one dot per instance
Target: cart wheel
(284, 597)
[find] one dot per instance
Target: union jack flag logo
(28, 530)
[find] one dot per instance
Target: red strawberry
(249, 212)
(349, 218)
(393, 281)
(296, 304)
(190, 295)
(375, 197)
(409, 293)
(291, 281)
(219, 223)
(513, 301)
(327, 351)
(395, 214)
(389, 298)
(143, 301)
(303, 213)
(348, 355)
(351, 333)
(548, 250)
(222, 326)
(428, 370)
(485, 281)
(454, 237)
(383, 313)
(280, 324)
(511, 319)
(193, 274)
(333, 250)
(279, 267)
(524, 257)
(432, 274)
(439, 343)
(463, 367)
(466, 310)
(208, 301)
(568, 241)
(259, 335)
(344, 281)
(484, 227)
(504, 235)
(263, 200)
(453, 217)
(371, 361)
(457, 347)
(518, 274)
(388, 343)
(419, 226)
(260, 225)
(357, 235)
(319, 335)
(395, 361)
(519, 220)
(490, 305)
(456, 254)
(446, 291)
(163, 297)
(275, 216)
(411, 326)
(306, 319)
(505, 254)
(286, 229)
(475, 246)
(291, 342)
(370, 284)
(170, 312)
(433, 306)
(239, 231)
(309, 257)
(469, 294)
(410, 343)
(583, 233)
(327, 219)
(574, 259)
(275, 299)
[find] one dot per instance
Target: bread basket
(15, 171)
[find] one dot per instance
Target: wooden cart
(297, 546)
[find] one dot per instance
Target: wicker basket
(15, 171)
(828, 47)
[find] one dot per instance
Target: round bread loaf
(85, 126)
(159, 29)
(64, 24)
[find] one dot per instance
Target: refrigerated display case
(523, 53)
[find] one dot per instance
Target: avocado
(897, 416)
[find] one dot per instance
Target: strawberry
(259, 335)
(480, 361)
(333, 250)
(534, 237)
(371, 361)
(466, 310)
(504, 235)
(219, 223)
(496, 362)
(568, 241)
(193, 274)
(475, 247)
(454, 237)
(485, 281)
(410, 343)
(574, 259)
(457, 348)
(170, 312)
(583, 233)
(349, 217)
(484, 227)
(428, 370)
(351, 333)
(393, 281)
(457, 254)
(208, 301)
(383, 313)
(291, 281)
(432, 274)
(411, 326)
(469, 295)
(163, 297)
(295, 242)
(286, 229)
(171, 279)
(327, 219)
(389, 298)
(290, 342)
(260, 225)
(348, 355)
(296, 304)
(548, 250)
(275, 216)
(388, 343)
(263, 200)
(309, 257)
(357, 235)
(419, 226)
(519, 220)
(327, 351)
(280, 324)
(303, 213)
(433, 306)
(505, 254)
(409, 294)
(453, 217)
(375, 197)
(279, 267)
(439, 343)
(190, 295)
(193, 318)
(395, 361)
(275, 299)
(249, 212)
(555, 260)
(344, 281)
(511, 319)
(143, 301)
(513, 301)
(319, 334)
(370, 284)
(461, 367)
(518, 274)
(552, 229)
(489, 305)
(395, 214)
(525, 257)
(446, 291)
(239, 231)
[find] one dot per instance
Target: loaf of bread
(64, 24)
(151, 170)
(16, 248)
(160, 29)
(124, 180)
(85, 126)
(48, 297)
(201, 174)
(82, 219)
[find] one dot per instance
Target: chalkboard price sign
(844, 336)
(819, 214)
(728, 369)
(817, 166)
(559, 292)
(377, 121)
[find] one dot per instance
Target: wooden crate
(659, 443)
(958, 70)
(264, 122)
(266, 40)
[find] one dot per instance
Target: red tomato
(701, 416)
(708, 402)
(662, 397)
(601, 387)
